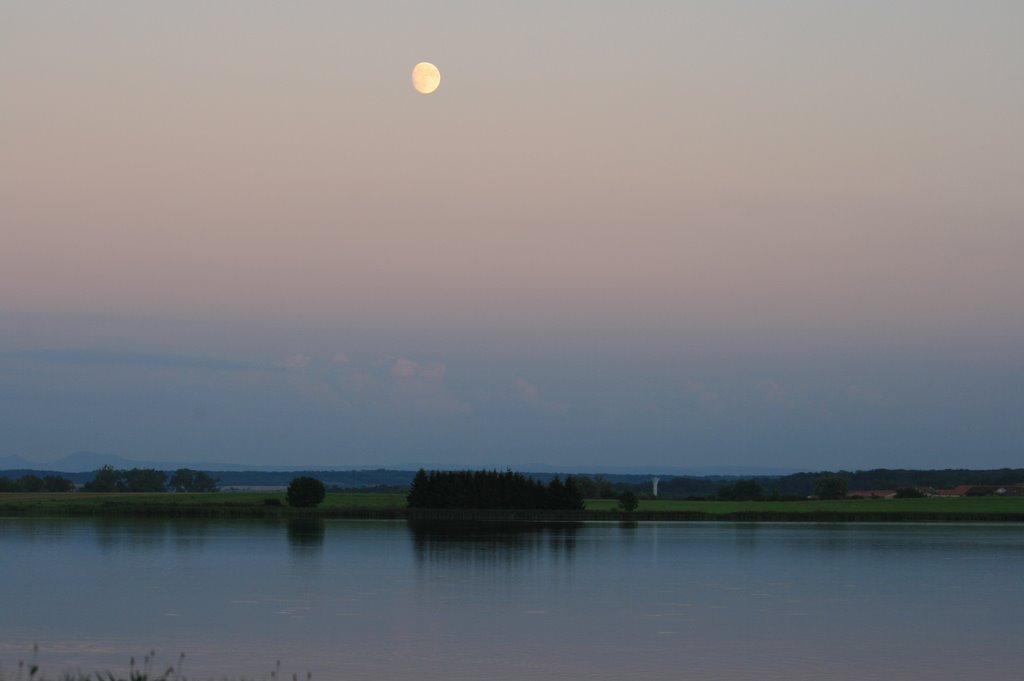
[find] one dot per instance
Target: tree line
(825, 487)
(492, 490)
(823, 484)
(110, 479)
(896, 478)
(35, 483)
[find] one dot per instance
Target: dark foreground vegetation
(610, 486)
(511, 496)
(30, 482)
(394, 506)
(492, 490)
(149, 670)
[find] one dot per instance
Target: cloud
(526, 391)
(407, 368)
(340, 358)
(296, 361)
(422, 388)
(773, 393)
(435, 371)
(872, 396)
(703, 393)
(404, 368)
(101, 357)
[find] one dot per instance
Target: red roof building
(1015, 490)
(958, 491)
(872, 494)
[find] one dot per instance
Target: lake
(389, 600)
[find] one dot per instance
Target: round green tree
(628, 501)
(305, 492)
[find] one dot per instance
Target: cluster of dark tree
(35, 483)
(803, 484)
(685, 487)
(831, 486)
(597, 487)
(825, 487)
(492, 490)
(188, 480)
(682, 487)
(305, 492)
(110, 479)
(741, 490)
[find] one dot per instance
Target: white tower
(654, 484)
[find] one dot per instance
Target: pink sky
(784, 178)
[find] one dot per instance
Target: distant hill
(80, 466)
(85, 461)
(15, 462)
(611, 471)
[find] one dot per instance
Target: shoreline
(363, 506)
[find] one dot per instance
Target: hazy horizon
(783, 234)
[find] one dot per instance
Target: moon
(425, 77)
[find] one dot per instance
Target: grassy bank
(215, 505)
(987, 505)
(147, 671)
(360, 505)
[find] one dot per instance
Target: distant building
(958, 491)
(1016, 490)
(872, 494)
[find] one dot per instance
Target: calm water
(388, 601)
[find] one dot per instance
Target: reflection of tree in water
(28, 530)
(306, 534)
(147, 534)
(134, 534)
(491, 542)
(190, 534)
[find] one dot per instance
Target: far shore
(356, 505)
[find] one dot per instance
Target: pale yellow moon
(425, 77)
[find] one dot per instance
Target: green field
(226, 504)
(355, 505)
(938, 505)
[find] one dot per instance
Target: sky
(653, 234)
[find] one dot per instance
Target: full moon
(425, 77)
